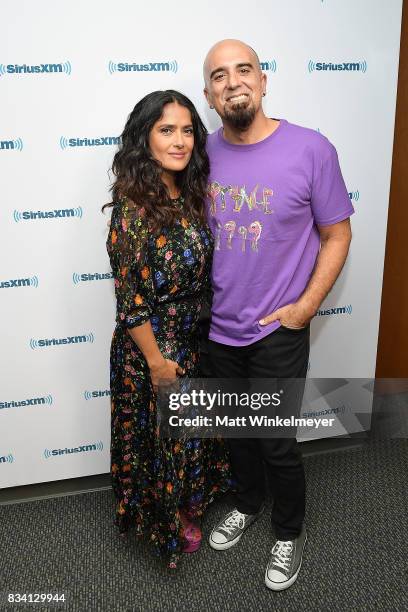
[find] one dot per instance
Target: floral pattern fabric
(163, 278)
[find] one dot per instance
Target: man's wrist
(308, 306)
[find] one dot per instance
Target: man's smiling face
(234, 82)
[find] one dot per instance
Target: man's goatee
(240, 117)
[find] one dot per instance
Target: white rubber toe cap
(218, 538)
(276, 576)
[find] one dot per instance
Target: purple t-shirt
(265, 200)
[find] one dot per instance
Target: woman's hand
(161, 370)
(165, 371)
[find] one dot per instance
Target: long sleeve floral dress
(162, 278)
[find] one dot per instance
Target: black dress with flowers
(162, 278)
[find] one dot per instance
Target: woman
(160, 249)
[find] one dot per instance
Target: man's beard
(240, 116)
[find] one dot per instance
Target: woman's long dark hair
(138, 174)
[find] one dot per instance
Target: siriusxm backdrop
(70, 72)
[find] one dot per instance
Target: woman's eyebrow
(172, 125)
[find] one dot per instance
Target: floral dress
(162, 278)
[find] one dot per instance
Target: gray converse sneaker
(285, 562)
(229, 531)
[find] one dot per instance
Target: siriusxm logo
(88, 395)
(11, 145)
(44, 342)
(19, 282)
(33, 401)
(89, 142)
(64, 67)
(354, 195)
(7, 458)
(85, 278)
(335, 311)
(86, 448)
(170, 66)
(336, 410)
(343, 66)
(270, 65)
(61, 213)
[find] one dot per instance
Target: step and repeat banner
(70, 73)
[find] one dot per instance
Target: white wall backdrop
(65, 94)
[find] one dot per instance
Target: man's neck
(260, 128)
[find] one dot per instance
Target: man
(279, 211)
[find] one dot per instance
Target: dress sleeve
(127, 247)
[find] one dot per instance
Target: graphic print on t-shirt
(230, 199)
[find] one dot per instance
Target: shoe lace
(281, 553)
(236, 519)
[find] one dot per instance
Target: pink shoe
(192, 533)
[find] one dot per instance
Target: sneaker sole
(281, 586)
(232, 543)
(225, 545)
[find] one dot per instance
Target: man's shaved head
(234, 83)
(229, 44)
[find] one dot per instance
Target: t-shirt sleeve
(330, 200)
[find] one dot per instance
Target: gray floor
(355, 558)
